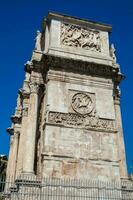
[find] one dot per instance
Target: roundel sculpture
(82, 103)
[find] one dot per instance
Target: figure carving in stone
(75, 120)
(19, 106)
(34, 87)
(82, 103)
(25, 111)
(112, 53)
(75, 36)
(38, 41)
(27, 76)
(11, 140)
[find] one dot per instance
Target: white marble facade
(67, 121)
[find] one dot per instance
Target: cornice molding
(10, 130)
(16, 119)
(24, 93)
(82, 67)
(34, 65)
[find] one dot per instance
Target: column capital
(13, 131)
(16, 119)
(10, 130)
(24, 93)
(34, 87)
(117, 95)
(25, 111)
(16, 134)
(34, 64)
(28, 66)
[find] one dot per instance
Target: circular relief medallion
(82, 103)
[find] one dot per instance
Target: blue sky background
(19, 20)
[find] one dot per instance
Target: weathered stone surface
(75, 36)
(62, 100)
(79, 121)
(86, 150)
(68, 110)
(74, 39)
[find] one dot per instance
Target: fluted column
(29, 147)
(120, 138)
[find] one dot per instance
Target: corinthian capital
(34, 87)
(10, 130)
(16, 119)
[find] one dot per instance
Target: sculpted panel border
(79, 121)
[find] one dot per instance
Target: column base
(27, 176)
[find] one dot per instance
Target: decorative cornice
(34, 87)
(117, 92)
(28, 66)
(16, 119)
(24, 93)
(80, 66)
(34, 65)
(10, 130)
(120, 77)
(79, 21)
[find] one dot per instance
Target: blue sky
(19, 21)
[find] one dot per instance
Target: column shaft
(121, 145)
(9, 166)
(15, 153)
(22, 138)
(29, 148)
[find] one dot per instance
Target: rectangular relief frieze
(80, 121)
(81, 37)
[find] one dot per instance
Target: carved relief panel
(68, 39)
(81, 114)
(76, 36)
(82, 103)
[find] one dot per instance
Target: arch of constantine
(67, 123)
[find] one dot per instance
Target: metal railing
(31, 188)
